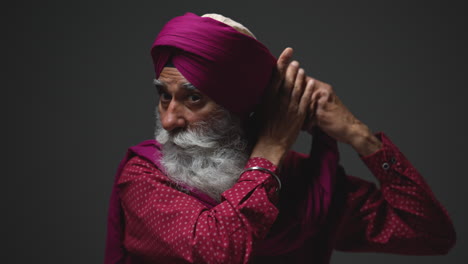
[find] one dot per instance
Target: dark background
(79, 91)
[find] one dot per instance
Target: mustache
(220, 130)
(189, 138)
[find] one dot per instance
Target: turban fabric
(230, 67)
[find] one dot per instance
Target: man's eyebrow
(161, 84)
(158, 83)
(189, 86)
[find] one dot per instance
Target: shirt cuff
(260, 176)
(387, 160)
(258, 162)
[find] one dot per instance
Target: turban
(230, 67)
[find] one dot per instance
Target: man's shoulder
(138, 167)
(138, 162)
(142, 159)
(149, 150)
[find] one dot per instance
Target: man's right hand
(283, 112)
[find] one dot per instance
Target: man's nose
(173, 117)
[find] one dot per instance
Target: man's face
(203, 145)
(180, 103)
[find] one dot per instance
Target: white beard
(209, 156)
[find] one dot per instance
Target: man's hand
(328, 113)
(284, 110)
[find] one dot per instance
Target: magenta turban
(230, 67)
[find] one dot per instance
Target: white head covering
(226, 20)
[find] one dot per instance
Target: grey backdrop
(79, 91)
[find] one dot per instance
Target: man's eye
(195, 98)
(165, 96)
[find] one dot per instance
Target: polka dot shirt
(402, 216)
(166, 225)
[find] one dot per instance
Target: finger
(315, 96)
(306, 96)
(298, 87)
(320, 91)
(322, 101)
(318, 85)
(325, 87)
(284, 59)
(290, 77)
(281, 66)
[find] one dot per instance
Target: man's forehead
(170, 76)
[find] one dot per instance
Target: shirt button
(385, 166)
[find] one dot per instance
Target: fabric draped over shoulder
(230, 67)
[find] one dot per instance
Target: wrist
(363, 140)
(271, 152)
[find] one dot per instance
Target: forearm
(362, 140)
(269, 150)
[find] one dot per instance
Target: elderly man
(220, 185)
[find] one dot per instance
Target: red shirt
(165, 224)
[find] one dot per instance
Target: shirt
(166, 224)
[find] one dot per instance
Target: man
(220, 184)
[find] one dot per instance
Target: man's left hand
(332, 117)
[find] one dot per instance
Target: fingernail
(295, 63)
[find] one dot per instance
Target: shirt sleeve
(166, 225)
(402, 217)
